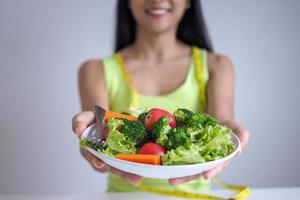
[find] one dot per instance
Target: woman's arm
(92, 86)
(220, 88)
(93, 92)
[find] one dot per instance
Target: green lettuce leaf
(181, 156)
(216, 142)
(116, 141)
(213, 142)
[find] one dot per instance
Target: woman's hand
(79, 123)
(243, 135)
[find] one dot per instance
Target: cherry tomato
(152, 149)
(154, 115)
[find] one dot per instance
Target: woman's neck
(162, 46)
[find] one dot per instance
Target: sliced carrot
(140, 158)
(109, 115)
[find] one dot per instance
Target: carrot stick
(110, 114)
(140, 158)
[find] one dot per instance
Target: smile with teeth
(157, 11)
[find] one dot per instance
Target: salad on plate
(158, 137)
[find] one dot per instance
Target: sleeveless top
(190, 94)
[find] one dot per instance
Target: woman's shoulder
(219, 64)
(89, 67)
(96, 65)
(91, 73)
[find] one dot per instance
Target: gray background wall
(42, 44)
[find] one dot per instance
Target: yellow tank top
(190, 94)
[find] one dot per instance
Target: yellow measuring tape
(135, 96)
(243, 191)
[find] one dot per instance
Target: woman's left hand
(243, 135)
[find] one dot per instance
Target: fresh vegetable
(142, 117)
(182, 138)
(110, 115)
(182, 156)
(152, 149)
(178, 137)
(140, 158)
(160, 130)
(214, 143)
(182, 115)
(124, 136)
(155, 114)
(134, 131)
(117, 142)
(85, 143)
(137, 111)
(170, 138)
(200, 120)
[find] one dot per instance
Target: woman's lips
(157, 12)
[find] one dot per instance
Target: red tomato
(155, 114)
(152, 149)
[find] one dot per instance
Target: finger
(226, 163)
(177, 181)
(99, 165)
(135, 180)
(210, 173)
(93, 160)
(215, 171)
(81, 121)
(181, 180)
(243, 135)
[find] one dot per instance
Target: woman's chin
(159, 29)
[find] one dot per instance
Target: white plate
(160, 171)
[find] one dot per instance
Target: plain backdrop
(43, 43)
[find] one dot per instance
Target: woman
(159, 43)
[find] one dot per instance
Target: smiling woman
(163, 59)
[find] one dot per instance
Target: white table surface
(257, 194)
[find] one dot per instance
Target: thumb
(79, 128)
(81, 121)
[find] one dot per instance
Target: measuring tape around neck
(135, 99)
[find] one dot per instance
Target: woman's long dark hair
(191, 30)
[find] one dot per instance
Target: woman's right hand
(79, 123)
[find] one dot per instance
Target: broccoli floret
(160, 130)
(116, 142)
(201, 120)
(178, 137)
(142, 117)
(187, 118)
(182, 116)
(134, 131)
(169, 137)
(197, 120)
(211, 121)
